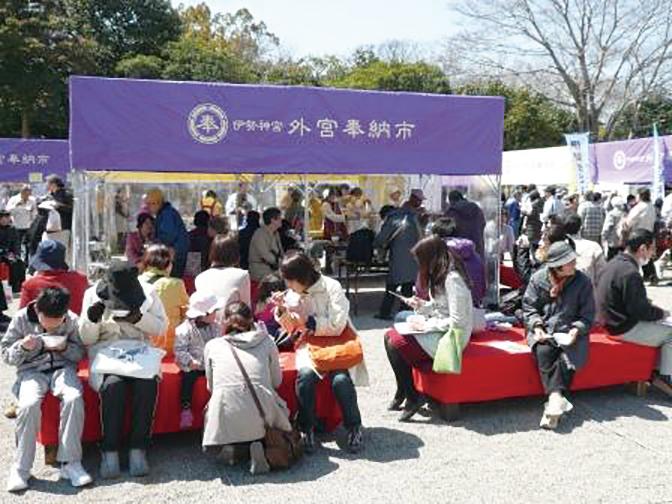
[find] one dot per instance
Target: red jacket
(75, 282)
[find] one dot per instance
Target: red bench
(167, 416)
(497, 365)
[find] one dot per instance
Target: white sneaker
(76, 474)
(16, 482)
(548, 422)
(566, 405)
(554, 406)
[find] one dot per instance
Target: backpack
(360, 247)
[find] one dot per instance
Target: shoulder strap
(154, 279)
(248, 382)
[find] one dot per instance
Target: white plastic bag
(128, 358)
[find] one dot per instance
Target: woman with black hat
(121, 316)
(559, 311)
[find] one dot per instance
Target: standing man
(552, 205)
(513, 208)
(399, 233)
(63, 205)
(23, 209)
(169, 229)
(469, 219)
(643, 216)
(237, 202)
(592, 215)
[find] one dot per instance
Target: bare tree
(597, 57)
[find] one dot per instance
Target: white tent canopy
(550, 165)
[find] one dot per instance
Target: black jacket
(65, 207)
(9, 241)
(621, 296)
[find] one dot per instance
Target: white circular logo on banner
(619, 160)
(208, 123)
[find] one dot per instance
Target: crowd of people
(226, 296)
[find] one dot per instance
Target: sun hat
(50, 255)
(202, 304)
(559, 254)
(120, 288)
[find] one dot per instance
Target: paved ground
(614, 447)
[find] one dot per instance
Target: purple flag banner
(631, 161)
(29, 160)
(143, 125)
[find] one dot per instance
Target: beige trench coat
(231, 415)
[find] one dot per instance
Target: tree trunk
(25, 123)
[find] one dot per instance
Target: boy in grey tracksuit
(43, 342)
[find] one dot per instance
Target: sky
(320, 27)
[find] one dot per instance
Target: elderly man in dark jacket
(399, 233)
(559, 311)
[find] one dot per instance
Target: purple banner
(631, 161)
(142, 125)
(29, 160)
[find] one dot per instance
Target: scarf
(557, 284)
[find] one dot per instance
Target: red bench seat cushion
(168, 408)
(497, 365)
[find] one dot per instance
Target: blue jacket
(170, 231)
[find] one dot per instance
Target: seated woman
(271, 285)
(444, 276)
(446, 229)
(225, 279)
(158, 263)
(137, 241)
(118, 308)
(327, 311)
(232, 416)
(558, 301)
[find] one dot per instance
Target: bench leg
(448, 412)
(638, 388)
(50, 454)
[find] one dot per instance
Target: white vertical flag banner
(658, 180)
(578, 145)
